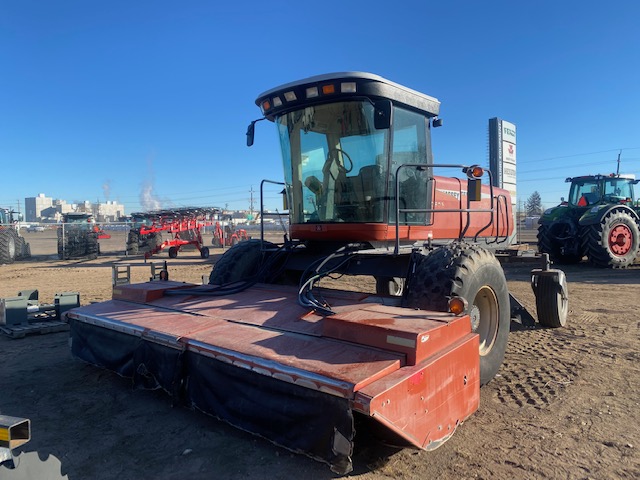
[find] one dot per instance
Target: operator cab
(80, 220)
(344, 138)
(592, 190)
(358, 165)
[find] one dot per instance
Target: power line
(579, 155)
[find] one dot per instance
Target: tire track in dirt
(536, 368)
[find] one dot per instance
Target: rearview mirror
(250, 133)
(382, 115)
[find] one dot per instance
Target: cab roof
(334, 87)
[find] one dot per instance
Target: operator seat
(371, 190)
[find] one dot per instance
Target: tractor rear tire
(474, 274)
(548, 244)
(133, 240)
(8, 241)
(23, 248)
(92, 245)
(240, 262)
(614, 242)
(157, 240)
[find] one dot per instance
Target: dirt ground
(565, 403)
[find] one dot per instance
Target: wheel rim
(485, 318)
(620, 240)
(396, 286)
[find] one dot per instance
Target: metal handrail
(262, 212)
(467, 210)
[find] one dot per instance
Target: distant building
(35, 205)
(108, 212)
(46, 209)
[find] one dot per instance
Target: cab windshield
(337, 164)
(595, 190)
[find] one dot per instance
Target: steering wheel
(332, 156)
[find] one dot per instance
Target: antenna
(618, 169)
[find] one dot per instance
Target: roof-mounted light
(290, 96)
(348, 87)
(328, 89)
(277, 102)
(312, 92)
(265, 105)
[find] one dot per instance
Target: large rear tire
(240, 262)
(548, 242)
(614, 242)
(474, 274)
(92, 245)
(8, 240)
(133, 240)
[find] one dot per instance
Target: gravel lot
(564, 405)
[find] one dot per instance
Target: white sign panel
(508, 173)
(509, 153)
(508, 132)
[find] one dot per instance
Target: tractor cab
(143, 219)
(80, 220)
(597, 189)
(357, 158)
(343, 139)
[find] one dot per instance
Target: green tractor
(600, 220)
(78, 236)
(12, 245)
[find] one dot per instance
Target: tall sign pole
(502, 157)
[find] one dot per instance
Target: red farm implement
(226, 236)
(183, 227)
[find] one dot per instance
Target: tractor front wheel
(614, 242)
(474, 274)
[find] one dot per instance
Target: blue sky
(107, 100)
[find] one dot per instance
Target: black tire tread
(240, 262)
(8, 235)
(596, 245)
(448, 271)
(547, 308)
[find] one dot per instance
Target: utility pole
(251, 201)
